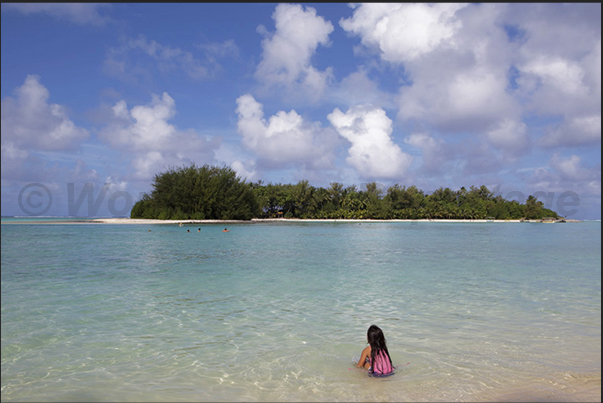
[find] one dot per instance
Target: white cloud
(287, 52)
(471, 100)
(284, 137)
(452, 54)
(465, 72)
(29, 122)
(373, 153)
(570, 88)
(151, 141)
(582, 130)
(404, 32)
(79, 13)
(242, 170)
(143, 127)
(564, 75)
(148, 164)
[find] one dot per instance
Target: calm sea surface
(278, 312)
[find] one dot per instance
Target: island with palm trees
(217, 193)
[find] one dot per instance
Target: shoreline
(138, 221)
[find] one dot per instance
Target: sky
(99, 98)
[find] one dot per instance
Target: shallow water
(278, 312)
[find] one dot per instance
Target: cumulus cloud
(79, 13)
(579, 131)
(453, 58)
(555, 85)
(152, 142)
(564, 75)
(144, 127)
(137, 56)
(404, 32)
(29, 122)
(373, 152)
(285, 137)
(287, 52)
(472, 100)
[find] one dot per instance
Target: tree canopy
(398, 202)
(217, 193)
(198, 193)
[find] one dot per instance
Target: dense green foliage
(337, 202)
(198, 193)
(217, 193)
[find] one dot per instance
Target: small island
(217, 193)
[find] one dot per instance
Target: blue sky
(432, 95)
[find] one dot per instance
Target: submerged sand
(266, 220)
(293, 220)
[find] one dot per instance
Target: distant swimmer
(225, 230)
(188, 230)
(199, 230)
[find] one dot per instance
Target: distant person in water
(225, 230)
(199, 230)
(375, 357)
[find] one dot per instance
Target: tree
(302, 194)
(198, 193)
(533, 208)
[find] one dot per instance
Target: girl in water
(375, 356)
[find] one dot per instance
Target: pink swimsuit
(381, 366)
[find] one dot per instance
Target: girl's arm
(362, 362)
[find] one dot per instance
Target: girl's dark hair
(376, 340)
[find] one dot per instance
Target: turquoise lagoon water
(278, 312)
